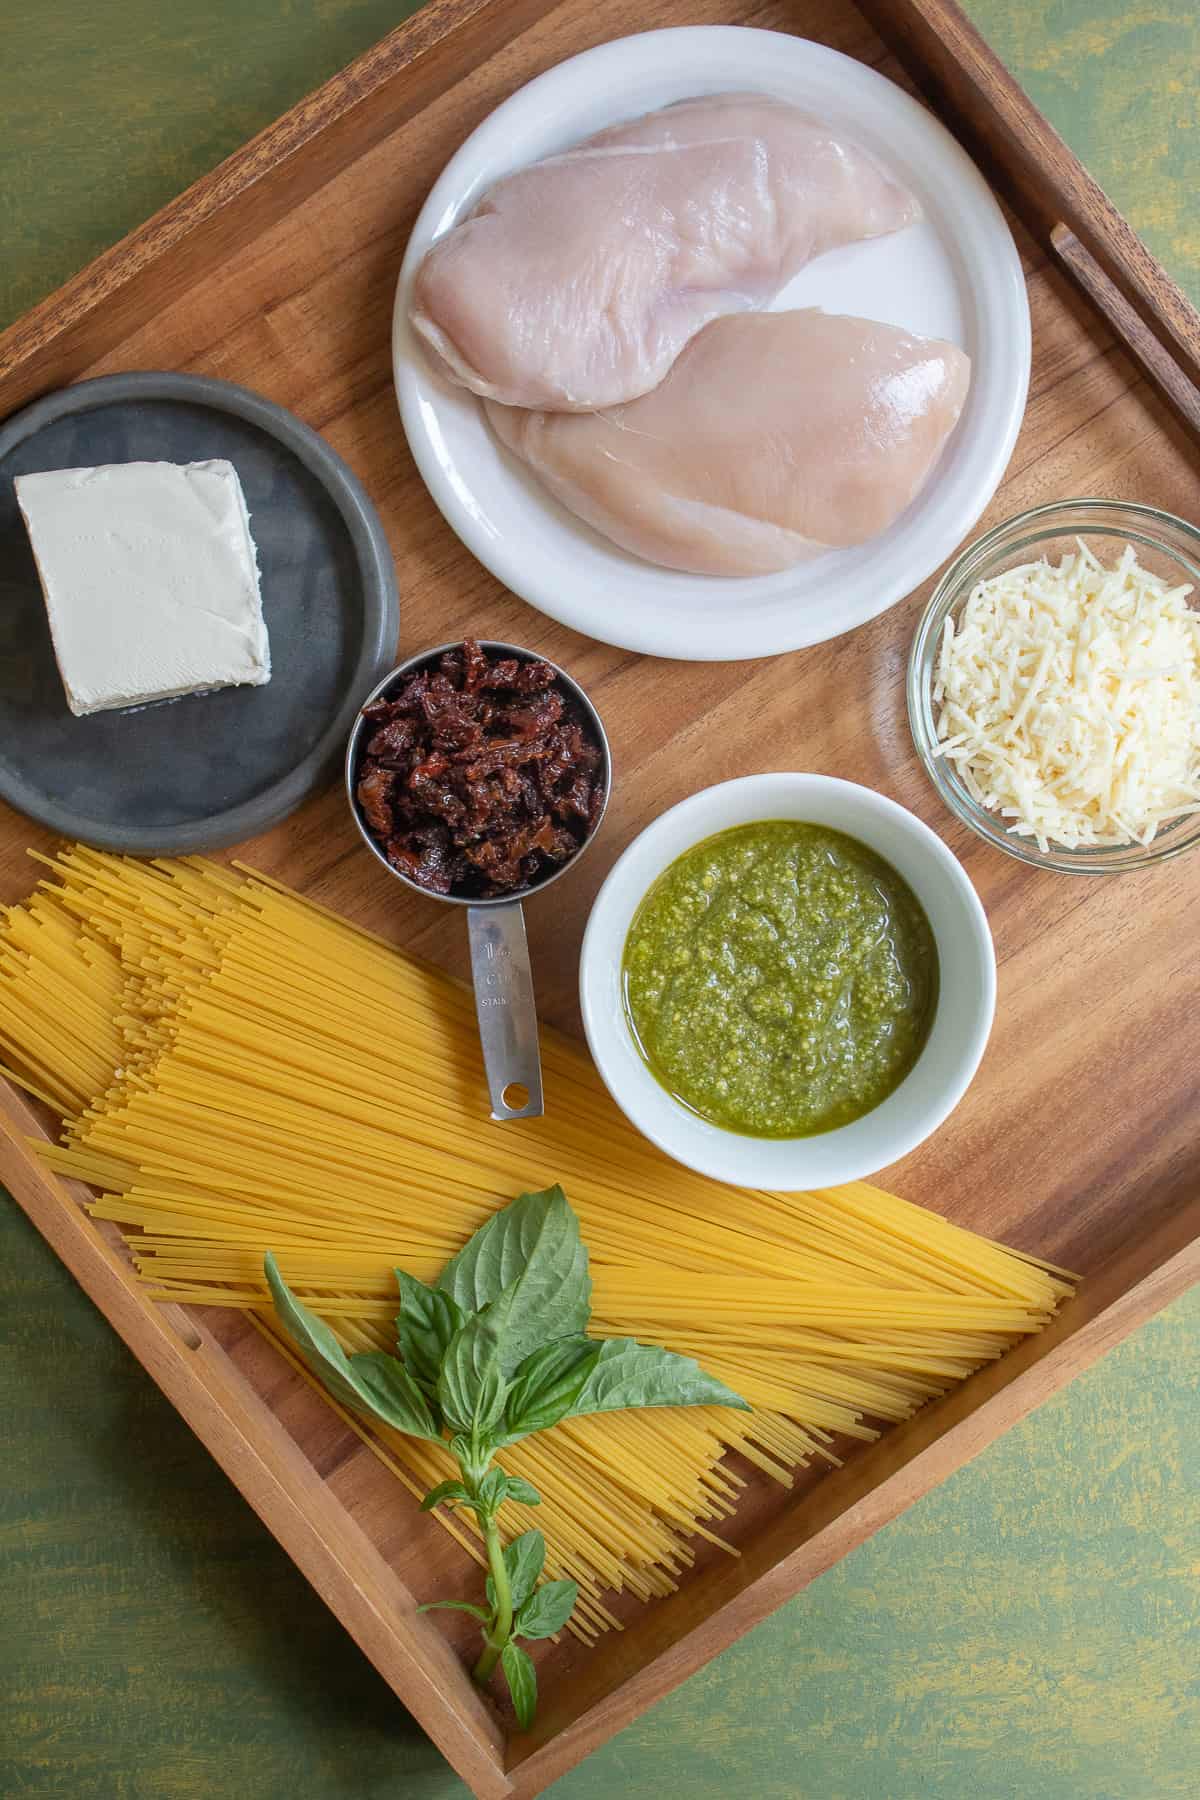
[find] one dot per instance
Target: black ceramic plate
(209, 769)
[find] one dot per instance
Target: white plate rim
(1003, 309)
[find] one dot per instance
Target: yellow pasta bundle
(239, 1070)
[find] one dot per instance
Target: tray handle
(1148, 342)
(1068, 213)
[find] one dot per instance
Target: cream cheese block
(150, 579)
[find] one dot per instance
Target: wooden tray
(1077, 1139)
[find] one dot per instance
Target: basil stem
(500, 1629)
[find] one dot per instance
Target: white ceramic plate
(955, 275)
(937, 1080)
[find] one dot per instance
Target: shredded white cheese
(1068, 700)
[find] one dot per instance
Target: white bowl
(938, 1079)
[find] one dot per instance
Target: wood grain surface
(288, 333)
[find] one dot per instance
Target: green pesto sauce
(780, 979)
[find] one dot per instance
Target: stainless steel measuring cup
(500, 969)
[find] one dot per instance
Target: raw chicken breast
(775, 436)
(576, 282)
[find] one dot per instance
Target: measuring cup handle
(505, 1006)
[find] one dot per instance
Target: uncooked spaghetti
(238, 1070)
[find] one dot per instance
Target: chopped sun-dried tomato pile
(480, 776)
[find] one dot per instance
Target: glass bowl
(1167, 546)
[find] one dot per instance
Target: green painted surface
(1029, 1632)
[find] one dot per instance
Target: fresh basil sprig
(494, 1351)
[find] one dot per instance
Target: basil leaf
(427, 1321)
(476, 1612)
(372, 1383)
(501, 1250)
(547, 1385)
(481, 1401)
(628, 1374)
(522, 1683)
(523, 1559)
(492, 1489)
(392, 1391)
(532, 1249)
(471, 1385)
(444, 1491)
(523, 1491)
(547, 1609)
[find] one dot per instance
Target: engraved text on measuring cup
(497, 976)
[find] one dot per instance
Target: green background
(1029, 1632)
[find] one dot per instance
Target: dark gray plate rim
(380, 605)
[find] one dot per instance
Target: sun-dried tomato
(480, 778)
(375, 798)
(534, 720)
